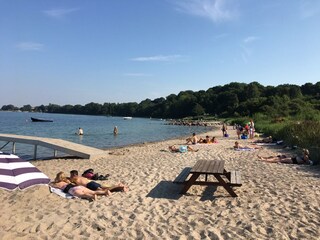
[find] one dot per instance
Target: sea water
(98, 130)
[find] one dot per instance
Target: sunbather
(193, 139)
(305, 159)
(238, 146)
(205, 140)
(182, 149)
(264, 140)
(92, 185)
(63, 183)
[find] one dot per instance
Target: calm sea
(98, 130)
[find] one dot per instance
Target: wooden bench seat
(234, 178)
(181, 178)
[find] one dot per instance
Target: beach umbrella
(18, 173)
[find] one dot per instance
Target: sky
(77, 52)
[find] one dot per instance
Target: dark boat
(40, 120)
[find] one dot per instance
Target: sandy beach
(276, 201)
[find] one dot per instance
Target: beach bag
(244, 137)
(226, 135)
(89, 174)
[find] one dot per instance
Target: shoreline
(153, 207)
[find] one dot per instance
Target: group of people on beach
(246, 131)
(194, 139)
(83, 187)
(249, 129)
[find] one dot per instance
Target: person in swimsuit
(238, 146)
(305, 159)
(224, 129)
(63, 183)
(92, 185)
(193, 139)
(182, 149)
(80, 131)
(205, 140)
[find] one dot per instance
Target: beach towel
(244, 149)
(266, 144)
(60, 193)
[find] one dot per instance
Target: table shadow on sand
(170, 190)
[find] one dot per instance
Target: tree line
(230, 100)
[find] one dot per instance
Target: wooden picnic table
(207, 168)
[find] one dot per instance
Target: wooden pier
(73, 149)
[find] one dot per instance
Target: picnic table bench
(208, 168)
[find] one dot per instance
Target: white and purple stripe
(18, 173)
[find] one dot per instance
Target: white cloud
(309, 8)
(250, 39)
(245, 53)
(215, 10)
(30, 46)
(137, 75)
(158, 58)
(59, 13)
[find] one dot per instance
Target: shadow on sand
(170, 190)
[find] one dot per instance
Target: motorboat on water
(127, 118)
(40, 120)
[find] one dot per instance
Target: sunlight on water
(98, 130)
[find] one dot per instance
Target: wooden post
(13, 147)
(35, 152)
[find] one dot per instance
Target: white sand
(276, 201)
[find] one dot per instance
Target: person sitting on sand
(193, 139)
(240, 147)
(63, 183)
(305, 159)
(182, 149)
(205, 140)
(92, 185)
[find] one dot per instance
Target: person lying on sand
(92, 185)
(207, 139)
(63, 183)
(182, 149)
(264, 140)
(305, 159)
(238, 146)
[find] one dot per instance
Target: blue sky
(76, 52)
